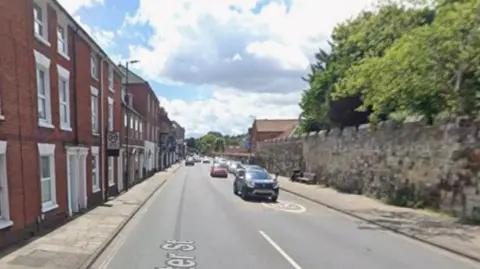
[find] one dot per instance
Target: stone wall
(408, 164)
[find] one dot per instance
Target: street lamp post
(127, 135)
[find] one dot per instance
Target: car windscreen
(258, 174)
(220, 165)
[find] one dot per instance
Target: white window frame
(125, 120)
(94, 111)
(110, 78)
(62, 41)
(94, 66)
(48, 150)
(43, 64)
(5, 220)
(64, 76)
(95, 172)
(111, 113)
(43, 37)
(111, 175)
(140, 127)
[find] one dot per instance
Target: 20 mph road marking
(280, 250)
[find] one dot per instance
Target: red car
(219, 170)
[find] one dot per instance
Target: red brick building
(265, 129)
(59, 95)
(144, 101)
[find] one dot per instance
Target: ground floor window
(47, 176)
(4, 202)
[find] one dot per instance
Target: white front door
(73, 179)
(76, 180)
(120, 171)
(70, 181)
(82, 180)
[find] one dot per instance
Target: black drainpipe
(74, 79)
(20, 134)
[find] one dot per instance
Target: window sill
(111, 184)
(111, 89)
(2, 117)
(66, 128)
(42, 39)
(49, 207)
(64, 55)
(96, 189)
(95, 134)
(46, 125)
(95, 77)
(5, 223)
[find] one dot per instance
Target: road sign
(113, 140)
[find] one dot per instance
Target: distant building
(265, 129)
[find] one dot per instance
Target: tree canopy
(214, 142)
(404, 58)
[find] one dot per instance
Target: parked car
(189, 161)
(232, 168)
(219, 170)
(253, 182)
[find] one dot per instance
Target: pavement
(78, 242)
(429, 227)
(195, 221)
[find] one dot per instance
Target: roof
(83, 33)
(289, 132)
(277, 126)
(132, 76)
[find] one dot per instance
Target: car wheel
(235, 189)
(244, 194)
(274, 198)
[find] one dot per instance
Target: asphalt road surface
(196, 221)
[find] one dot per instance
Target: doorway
(76, 179)
(120, 170)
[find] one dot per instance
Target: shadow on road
(419, 225)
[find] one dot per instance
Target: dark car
(254, 182)
(189, 161)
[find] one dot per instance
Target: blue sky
(215, 65)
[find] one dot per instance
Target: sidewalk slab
(429, 227)
(77, 243)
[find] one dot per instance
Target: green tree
(432, 68)
(219, 144)
(325, 103)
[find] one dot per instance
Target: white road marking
(286, 206)
(280, 250)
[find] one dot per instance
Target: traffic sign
(113, 141)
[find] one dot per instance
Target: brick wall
(435, 166)
(18, 105)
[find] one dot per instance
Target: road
(196, 221)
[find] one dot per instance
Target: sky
(216, 65)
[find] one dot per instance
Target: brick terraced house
(143, 100)
(59, 95)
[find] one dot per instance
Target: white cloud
(259, 58)
(103, 38)
(253, 62)
(230, 111)
(72, 6)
